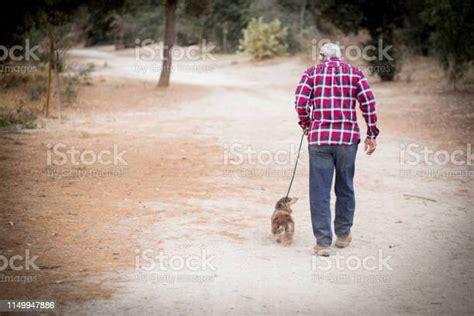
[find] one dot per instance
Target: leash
(296, 165)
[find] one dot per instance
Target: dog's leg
(291, 227)
(275, 227)
(288, 235)
(285, 240)
(277, 238)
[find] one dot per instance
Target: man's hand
(370, 145)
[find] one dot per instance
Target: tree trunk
(58, 85)
(224, 37)
(50, 66)
(302, 13)
(453, 73)
(170, 30)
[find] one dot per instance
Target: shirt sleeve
(303, 100)
(366, 100)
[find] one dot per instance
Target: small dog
(283, 225)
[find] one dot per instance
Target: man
(326, 105)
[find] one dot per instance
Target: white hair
(330, 50)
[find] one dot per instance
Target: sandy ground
(186, 196)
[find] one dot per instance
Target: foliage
(70, 92)
(264, 40)
(85, 73)
(441, 28)
(135, 20)
(225, 21)
(381, 18)
(386, 55)
(22, 116)
(452, 37)
(73, 81)
(36, 91)
(12, 80)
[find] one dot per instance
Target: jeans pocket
(320, 151)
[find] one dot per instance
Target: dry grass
(74, 223)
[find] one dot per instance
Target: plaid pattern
(325, 102)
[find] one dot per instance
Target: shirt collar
(333, 59)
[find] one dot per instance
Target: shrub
(70, 93)
(264, 40)
(73, 81)
(7, 119)
(85, 73)
(12, 80)
(22, 116)
(37, 91)
(25, 116)
(451, 39)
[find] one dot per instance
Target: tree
(452, 38)
(170, 33)
(225, 21)
(381, 18)
(60, 40)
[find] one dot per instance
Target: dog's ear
(292, 200)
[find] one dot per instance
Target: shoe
(343, 242)
(321, 250)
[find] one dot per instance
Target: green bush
(264, 40)
(85, 73)
(70, 89)
(70, 93)
(7, 119)
(73, 81)
(22, 116)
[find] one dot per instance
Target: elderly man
(325, 102)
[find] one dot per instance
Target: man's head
(330, 50)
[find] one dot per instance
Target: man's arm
(367, 105)
(303, 101)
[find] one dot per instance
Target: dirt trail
(185, 200)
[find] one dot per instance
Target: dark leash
(296, 165)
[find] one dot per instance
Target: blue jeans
(323, 160)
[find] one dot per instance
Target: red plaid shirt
(326, 99)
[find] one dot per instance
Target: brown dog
(283, 225)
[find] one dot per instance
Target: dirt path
(185, 195)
